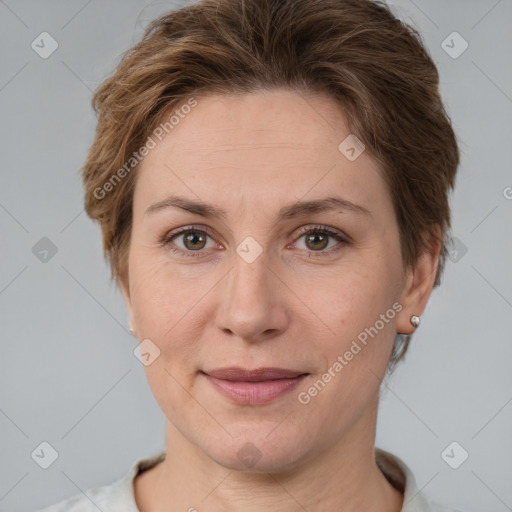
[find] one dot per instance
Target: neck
(343, 476)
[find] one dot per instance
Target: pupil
(314, 238)
(193, 237)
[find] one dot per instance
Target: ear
(419, 282)
(125, 290)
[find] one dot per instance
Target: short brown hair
(356, 51)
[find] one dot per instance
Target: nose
(253, 301)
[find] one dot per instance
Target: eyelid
(167, 238)
(338, 235)
(323, 228)
(330, 232)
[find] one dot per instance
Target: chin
(259, 450)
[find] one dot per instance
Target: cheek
(165, 307)
(355, 357)
(152, 299)
(158, 294)
(356, 296)
(360, 310)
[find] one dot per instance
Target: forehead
(264, 120)
(269, 144)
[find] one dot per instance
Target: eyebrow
(287, 212)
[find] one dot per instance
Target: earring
(415, 320)
(132, 331)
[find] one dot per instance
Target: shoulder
(399, 474)
(114, 497)
(89, 501)
(440, 507)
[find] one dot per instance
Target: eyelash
(324, 230)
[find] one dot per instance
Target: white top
(119, 496)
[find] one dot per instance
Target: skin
(291, 308)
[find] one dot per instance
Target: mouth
(254, 387)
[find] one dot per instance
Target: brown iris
(193, 238)
(314, 237)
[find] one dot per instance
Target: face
(271, 274)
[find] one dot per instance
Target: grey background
(68, 375)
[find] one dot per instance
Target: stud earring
(132, 331)
(415, 320)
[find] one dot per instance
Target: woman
(271, 179)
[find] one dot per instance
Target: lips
(257, 375)
(254, 387)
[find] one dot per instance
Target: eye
(318, 238)
(188, 241)
(191, 240)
